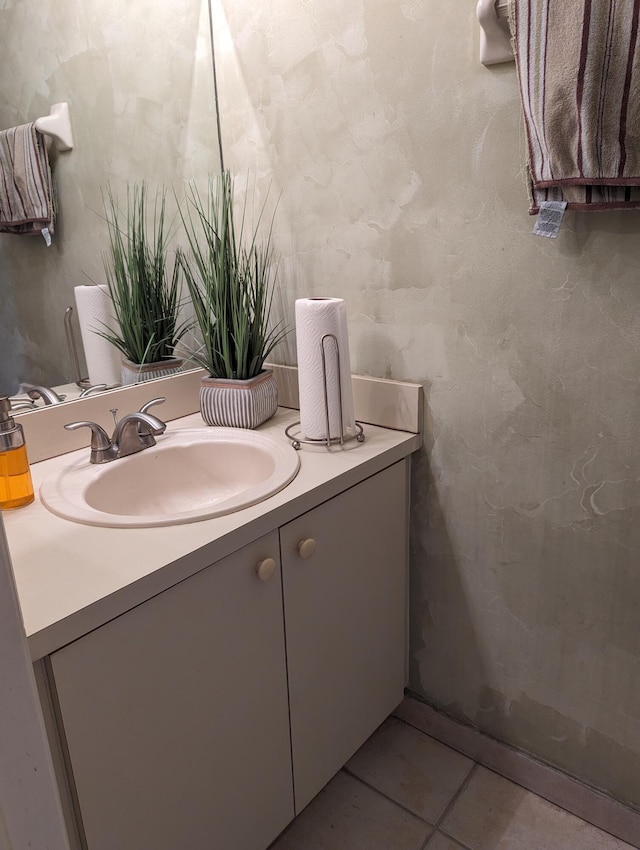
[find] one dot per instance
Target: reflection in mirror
(138, 79)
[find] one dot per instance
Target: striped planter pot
(239, 404)
(134, 373)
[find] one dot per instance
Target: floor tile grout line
(474, 764)
(433, 738)
(552, 799)
(435, 832)
(465, 781)
(457, 840)
(463, 786)
(426, 842)
(387, 797)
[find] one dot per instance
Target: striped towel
(578, 65)
(26, 186)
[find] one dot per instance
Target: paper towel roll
(94, 312)
(316, 317)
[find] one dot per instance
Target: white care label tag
(549, 218)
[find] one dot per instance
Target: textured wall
(399, 159)
(137, 77)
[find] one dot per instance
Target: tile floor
(406, 791)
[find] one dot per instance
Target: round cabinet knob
(306, 547)
(265, 569)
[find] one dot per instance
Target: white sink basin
(189, 475)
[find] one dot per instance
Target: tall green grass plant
(230, 275)
(144, 289)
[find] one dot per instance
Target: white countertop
(72, 578)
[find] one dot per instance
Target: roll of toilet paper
(94, 312)
(316, 318)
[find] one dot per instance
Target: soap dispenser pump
(16, 487)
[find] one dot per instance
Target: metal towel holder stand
(293, 430)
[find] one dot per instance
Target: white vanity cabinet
(345, 622)
(175, 715)
(196, 719)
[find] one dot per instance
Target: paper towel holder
(296, 439)
(83, 383)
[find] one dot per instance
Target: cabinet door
(345, 623)
(176, 719)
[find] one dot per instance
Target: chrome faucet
(133, 433)
(49, 396)
(136, 431)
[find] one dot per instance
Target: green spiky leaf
(230, 276)
(145, 292)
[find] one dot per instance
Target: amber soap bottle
(16, 487)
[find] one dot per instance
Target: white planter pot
(134, 373)
(239, 404)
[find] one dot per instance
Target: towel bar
(57, 125)
(495, 36)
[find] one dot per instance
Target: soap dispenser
(16, 487)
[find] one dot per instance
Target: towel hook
(57, 125)
(495, 36)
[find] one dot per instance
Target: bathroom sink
(189, 475)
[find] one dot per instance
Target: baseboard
(570, 794)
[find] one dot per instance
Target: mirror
(139, 82)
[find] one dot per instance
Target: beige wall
(138, 80)
(399, 159)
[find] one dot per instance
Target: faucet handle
(145, 436)
(102, 449)
(92, 388)
(149, 404)
(47, 395)
(22, 404)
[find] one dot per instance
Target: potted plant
(144, 290)
(230, 276)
